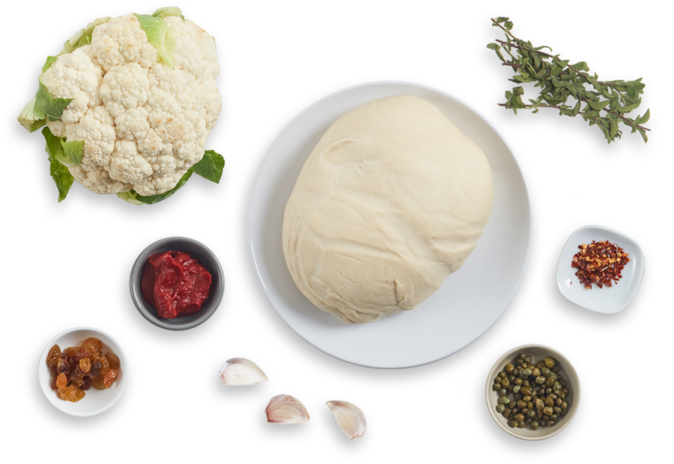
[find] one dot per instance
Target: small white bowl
(606, 300)
(95, 401)
(537, 353)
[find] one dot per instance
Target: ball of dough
(390, 202)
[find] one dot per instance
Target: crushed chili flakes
(599, 263)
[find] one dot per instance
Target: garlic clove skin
(349, 418)
(241, 371)
(285, 409)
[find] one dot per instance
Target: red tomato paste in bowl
(175, 284)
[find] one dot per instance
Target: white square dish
(606, 300)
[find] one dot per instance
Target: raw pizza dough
(390, 202)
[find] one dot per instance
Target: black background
(274, 64)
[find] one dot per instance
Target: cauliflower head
(139, 95)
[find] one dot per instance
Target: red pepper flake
(599, 263)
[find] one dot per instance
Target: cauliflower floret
(132, 124)
(97, 129)
(73, 76)
(122, 40)
(124, 87)
(160, 183)
(97, 179)
(127, 164)
(143, 123)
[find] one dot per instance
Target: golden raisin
(94, 345)
(81, 353)
(113, 360)
(85, 365)
(53, 356)
(109, 377)
(97, 383)
(71, 393)
(105, 364)
(61, 381)
(70, 351)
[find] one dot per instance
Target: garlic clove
(285, 409)
(241, 371)
(349, 417)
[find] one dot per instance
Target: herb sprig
(560, 80)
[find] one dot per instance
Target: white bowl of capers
(532, 392)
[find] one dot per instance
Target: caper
(518, 396)
(530, 405)
(513, 423)
(502, 392)
(522, 356)
(526, 390)
(519, 417)
(506, 413)
(549, 382)
(516, 389)
(528, 420)
(535, 372)
(535, 425)
(502, 374)
(497, 386)
(527, 398)
(509, 368)
(526, 383)
(564, 405)
(521, 425)
(531, 414)
(549, 362)
(521, 404)
(524, 410)
(548, 411)
(562, 395)
(514, 410)
(539, 404)
(505, 383)
(540, 380)
(558, 401)
(546, 372)
(516, 372)
(555, 369)
(525, 373)
(557, 410)
(527, 359)
(549, 401)
(518, 381)
(504, 400)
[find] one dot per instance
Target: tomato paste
(175, 284)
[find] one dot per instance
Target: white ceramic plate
(606, 300)
(469, 302)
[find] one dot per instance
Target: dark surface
(81, 250)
